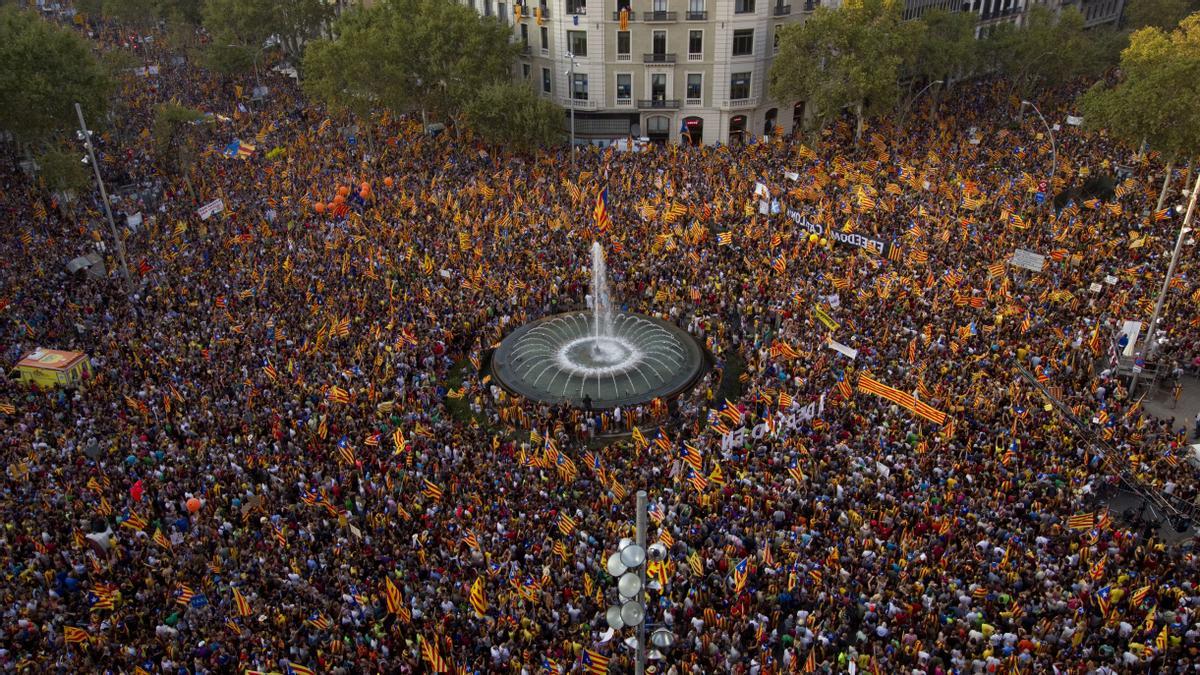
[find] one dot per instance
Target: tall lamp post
(628, 565)
(1148, 344)
(86, 137)
(1053, 147)
(571, 93)
(913, 102)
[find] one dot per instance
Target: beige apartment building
(666, 70)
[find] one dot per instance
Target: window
(623, 43)
(778, 32)
(739, 86)
(659, 41)
(658, 126)
(546, 80)
(695, 42)
(487, 7)
(658, 86)
(695, 84)
(624, 88)
(501, 13)
(743, 42)
(576, 6)
(660, 5)
(525, 36)
(743, 6)
(525, 70)
(695, 6)
(545, 39)
(577, 42)
(580, 89)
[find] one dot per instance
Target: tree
(406, 55)
(248, 23)
(845, 58)
(1155, 101)
(1050, 49)
(513, 115)
(1164, 14)
(948, 47)
(61, 171)
(135, 13)
(44, 71)
(172, 145)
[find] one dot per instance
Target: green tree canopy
(1156, 99)
(513, 115)
(135, 13)
(407, 55)
(62, 171)
(948, 46)
(1164, 14)
(248, 23)
(1048, 50)
(44, 71)
(846, 58)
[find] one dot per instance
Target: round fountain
(597, 357)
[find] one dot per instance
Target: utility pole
(1148, 345)
(112, 225)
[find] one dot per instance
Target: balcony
(632, 16)
(698, 56)
(526, 50)
(696, 16)
(576, 8)
(811, 6)
(624, 57)
(658, 104)
(740, 103)
(650, 17)
(658, 58)
(782, 10)
(545, 12)
(694, 102)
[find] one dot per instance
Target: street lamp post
(1148, 344)
(628, 564)
(571, 94)
(913, 102)
(1053, 146)
(86, 137)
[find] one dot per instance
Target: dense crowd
(288, 456)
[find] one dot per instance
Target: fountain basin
(560, 359)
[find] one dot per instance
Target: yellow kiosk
(52, 368)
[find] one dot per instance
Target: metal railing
(658, 58)
(696, 16)
(632, 16)
(782, 10)
(659, 103)
(660, 16)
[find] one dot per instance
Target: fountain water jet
(597, 357)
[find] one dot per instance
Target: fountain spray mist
(601, 302)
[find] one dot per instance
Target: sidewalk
(1158, 402)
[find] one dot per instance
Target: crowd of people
(290, 456)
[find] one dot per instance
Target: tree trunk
(858, 127)
(1162, 195)
(1187, 180)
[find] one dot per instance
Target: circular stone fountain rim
(695, 362)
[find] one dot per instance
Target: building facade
(663, 70)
